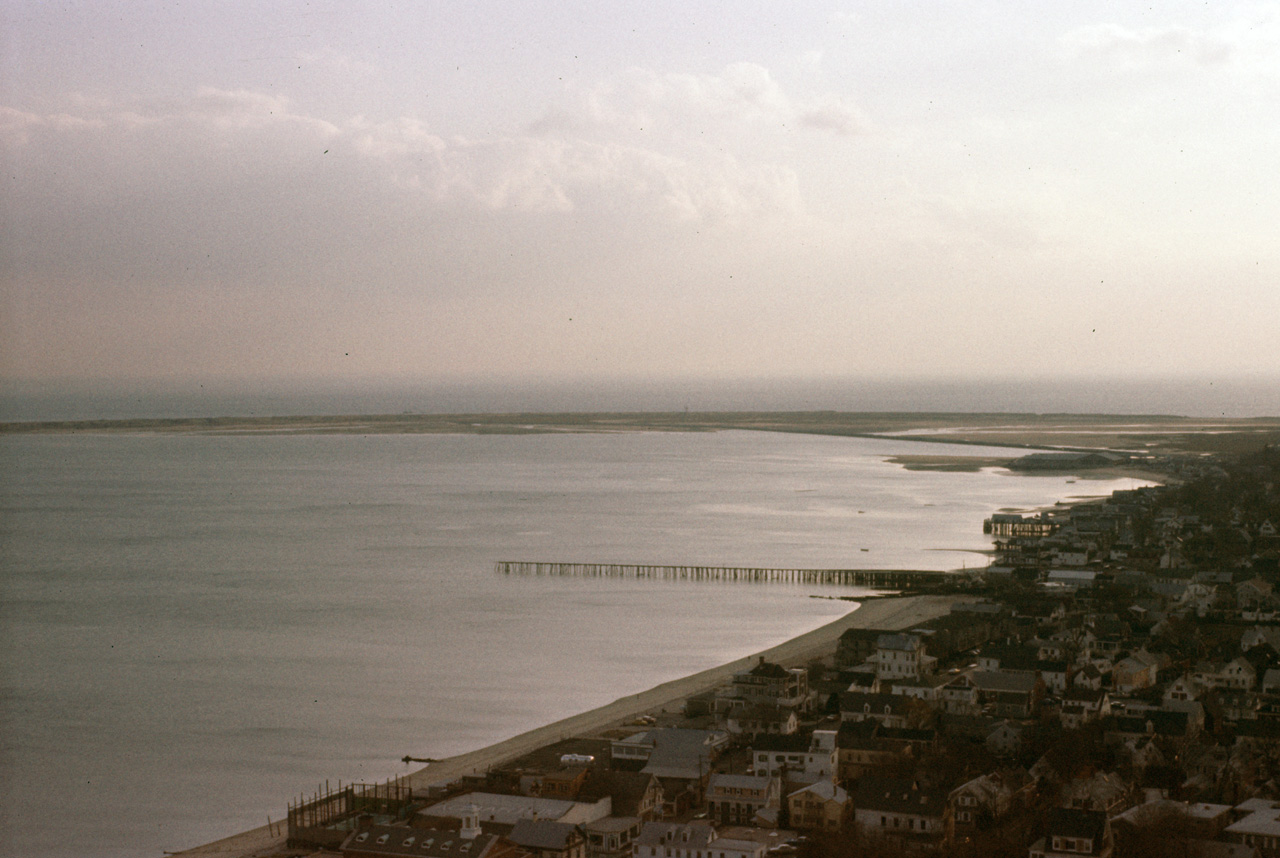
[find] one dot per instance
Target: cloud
(16, 125)
(549, 168)
(561, 174)
(244, 187)
(1161, 45)
(831, 114)
(742, 93)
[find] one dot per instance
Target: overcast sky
(668, 189)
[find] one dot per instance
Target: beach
(887, 613)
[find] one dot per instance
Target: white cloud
(546, 173)
(250, 177)
(1157, 45)
(683, 103)
(16, 125)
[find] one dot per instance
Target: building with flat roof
(1260, 827)
(507, 810)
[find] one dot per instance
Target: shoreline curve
(887, 612)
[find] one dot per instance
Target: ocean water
(196, 629)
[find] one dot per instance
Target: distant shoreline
(1066, 432)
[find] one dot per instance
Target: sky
(494, 190)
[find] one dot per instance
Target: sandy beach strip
(886, 613)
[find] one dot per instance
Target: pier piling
(896, 579)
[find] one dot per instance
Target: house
(1136, 671)
(1142, 753)
(891, 710)
(986, 799)
(1253, 593)
(1006, 739)
(1237, 705)
(901, 809)
(736, 799)
(1198, 820)
(1055, 675)
(1259, 825)
(1238, 673)
(901, 655)
(679, 758)
(685, 840)
(1152, 722)
(860, 748)
(857, 646)
(925, 687)
(1103, 791)
(1083, 705)
(1009, 695)
(1010, 658)
(822, 806)
(1072, 833)
(1259, 635)
(612, 836)
(1182, 688)
(632, 793)
(1088, 676)
(768, 718)
(565, 783)
(959, 695)
(811, 759)
(767, 682)
(542, 838)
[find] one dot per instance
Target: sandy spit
(890, 613)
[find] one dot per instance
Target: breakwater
(894, 579)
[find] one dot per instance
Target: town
(1108, 686)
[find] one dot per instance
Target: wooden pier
(314, 823)
(889, 579)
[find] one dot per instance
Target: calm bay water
(198, 628)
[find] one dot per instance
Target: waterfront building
(737, 799)
(401, 841)
(802, 758)
(900, 656)
(771, 683)
(507, 810)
